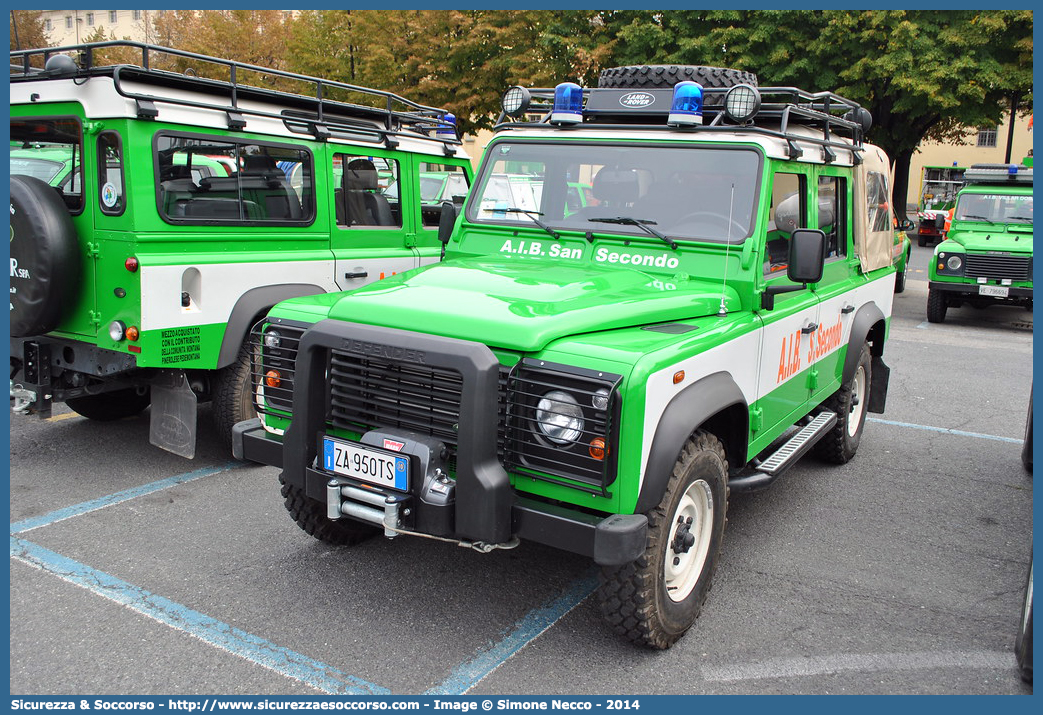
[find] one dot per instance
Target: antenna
(722, 311)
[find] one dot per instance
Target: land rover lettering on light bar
(643, 305)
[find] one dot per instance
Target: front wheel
(311, 516)
(849, 402)
(654, 600)
(900, 282)
(937, 304)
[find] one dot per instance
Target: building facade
(70, 27)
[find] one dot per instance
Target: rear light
(131, 264)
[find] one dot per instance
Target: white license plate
(995, 291)
(365, 464)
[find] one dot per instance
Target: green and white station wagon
(599, 379)
(188, 208)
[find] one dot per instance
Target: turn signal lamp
(686, 108)
(272, 378)
(597, 448)
(568, 104)
(132, 334)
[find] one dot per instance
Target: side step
(786, 455)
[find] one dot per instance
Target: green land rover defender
(986, 258)
(599, 378)
(160, 208)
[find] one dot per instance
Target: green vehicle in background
(157, 215)
(599, 378)
(986, 258)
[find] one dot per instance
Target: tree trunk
(900, 188)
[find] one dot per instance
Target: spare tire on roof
(45, 257)
(666, 76)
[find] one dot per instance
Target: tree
(922, 74)
(28, 31)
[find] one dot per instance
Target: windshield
(41, 169)
(684, 192)
(995, 208)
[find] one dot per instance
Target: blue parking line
(469, 673)
(95, 504)
(209, 630)
(945, 430)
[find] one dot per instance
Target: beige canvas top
(874, 213)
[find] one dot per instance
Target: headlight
(559, 417)
(954, 263)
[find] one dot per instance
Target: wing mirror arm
(446, 222)
(807, 259)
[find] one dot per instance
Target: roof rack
(318, 113)
(783, 107)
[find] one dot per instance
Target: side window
(438, 183)
(366, 192)
(788, 212)
(50, 149)
(111, 186)
(832, 215)
(878, 193)
(203, 180)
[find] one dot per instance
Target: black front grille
(367, 393)
(1015, 268)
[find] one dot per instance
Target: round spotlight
(742, 103)
(272, 339)
(515, 101)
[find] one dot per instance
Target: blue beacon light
(687, 106)
(568, 104)
(447, 127)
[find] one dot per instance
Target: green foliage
(27, 30)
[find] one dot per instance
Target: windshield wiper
(641, 223)
(534, 216)
(973, 217)
(1018, 218)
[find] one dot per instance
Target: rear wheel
(849, 402)
(311, 516)
(1023, 642)
(233, 397)
(110, 406)
(654, 600)
(937, 304)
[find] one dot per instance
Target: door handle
(847, 309)
(360, 274)
(809, 329)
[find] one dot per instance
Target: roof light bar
(568, 104)
(447, 127)
(686, 109)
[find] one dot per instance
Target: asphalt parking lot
(136, 572)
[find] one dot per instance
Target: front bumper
(611, 541)
(971, 290)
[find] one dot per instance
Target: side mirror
(446, 221)
(807, 255)
(906, 225)
(807, 258)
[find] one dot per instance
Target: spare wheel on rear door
(45, 257)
